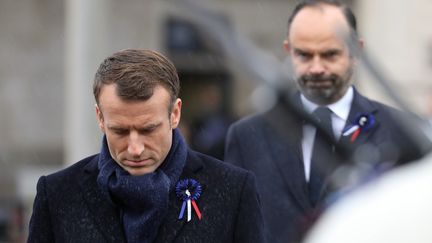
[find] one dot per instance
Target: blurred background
(50, 50)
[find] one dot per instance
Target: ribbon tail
(189, 210)
(355, 135)
(350, 130)
(182, 210)
(197, 211)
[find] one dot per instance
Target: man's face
(322, 63)
(139, 133)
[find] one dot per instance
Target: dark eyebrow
(150, 127)
(299, 51)
(332, 52)
(116, 128)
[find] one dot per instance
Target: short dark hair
(136, 74)
(348, 13)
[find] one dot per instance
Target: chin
(321, 96)
(139, 171)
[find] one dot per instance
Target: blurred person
(4, 225)
(394, 208)
(293, 161)
(209, 128)
(145, 185)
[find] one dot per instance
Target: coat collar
(107, 216)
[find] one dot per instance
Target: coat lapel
(105, 215)
(172, 226)
(283, 136)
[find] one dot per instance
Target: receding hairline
(325, 10)
(344, 9)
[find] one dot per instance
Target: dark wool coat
(70, 207)
(269, 144)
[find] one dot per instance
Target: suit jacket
(269, 145)
(70, 207)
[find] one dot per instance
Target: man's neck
(340, 107)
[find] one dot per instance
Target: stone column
(86, 41)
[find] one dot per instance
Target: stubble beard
(324, 94)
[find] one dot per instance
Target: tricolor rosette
(362, 123)
(188, 190)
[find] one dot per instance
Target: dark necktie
(321, 154)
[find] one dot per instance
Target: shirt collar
(340, 108)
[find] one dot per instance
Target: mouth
(136, 163)
(317, 84)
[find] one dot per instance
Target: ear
(360, 44)
(176, 113)
(287, 46)
(99, 118)
(360, 47)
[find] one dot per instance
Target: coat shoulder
(252, 126)
(72, 172)
(251, 120)
(217, 168)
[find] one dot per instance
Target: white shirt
(340, 111)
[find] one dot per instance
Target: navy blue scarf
(143, 200)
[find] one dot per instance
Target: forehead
(319, 24)
(115, 108)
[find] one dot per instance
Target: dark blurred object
(4, 221)
(17, 224)
(206, 85)
(210, 125)
(183, 37)
(209, 134)
(208, 115)
(12, 226)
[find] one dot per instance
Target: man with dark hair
(294, 162)
(145, 185)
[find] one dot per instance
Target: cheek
(343, 65)
(156, 142)
(165, 141)
(297, 64)
(299, 69)
(116, 145)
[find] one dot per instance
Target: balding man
(292, 160)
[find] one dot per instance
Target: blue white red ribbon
(189, 190)
(362, 123)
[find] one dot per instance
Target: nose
(136, 145)
(316, 67)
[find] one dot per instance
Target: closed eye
(149, 129)
(119, 130)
